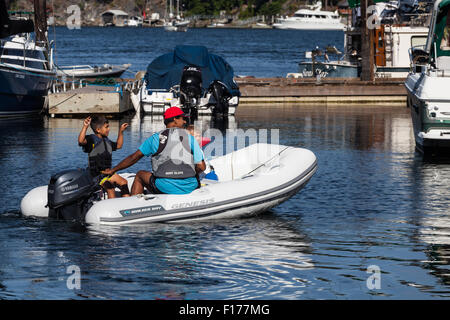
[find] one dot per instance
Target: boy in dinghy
(100, 149)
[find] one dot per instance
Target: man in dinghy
(177, 159)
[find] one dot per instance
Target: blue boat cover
(165, 71)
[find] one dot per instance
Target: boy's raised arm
(82, 135)
(119, 141)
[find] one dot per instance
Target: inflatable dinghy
(250, 181)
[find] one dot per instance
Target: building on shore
(116, 18)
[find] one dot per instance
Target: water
(255, 52)
(373, 202)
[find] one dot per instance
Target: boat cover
(442, 29)
(165, 71)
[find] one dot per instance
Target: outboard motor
(70, 194)
(190, 89)
(222, 96)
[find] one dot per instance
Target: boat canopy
(165, 71)
(442, 29)
(356, 3)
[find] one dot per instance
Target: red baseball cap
(174, 112)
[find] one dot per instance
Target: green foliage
(250, 7)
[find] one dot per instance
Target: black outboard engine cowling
(70, 193)
(190, 89)
(222, 96)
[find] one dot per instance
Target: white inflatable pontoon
(251, 180)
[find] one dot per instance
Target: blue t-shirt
(173, 186)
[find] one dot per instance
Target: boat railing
(25, 45)
(64, 85)
(417, 19)
(81, 66)
(418, 58)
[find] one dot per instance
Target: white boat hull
(159, 101)
(296, 25)
(429, 102)
(252, 180)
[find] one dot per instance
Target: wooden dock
(90, 99)
(254, 91)
(325, 91)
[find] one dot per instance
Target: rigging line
(261, 165)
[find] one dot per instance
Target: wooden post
(367, 49)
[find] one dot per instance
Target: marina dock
(390, 92)
(90, 99)
(254, 91)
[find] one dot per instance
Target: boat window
(418, 41)
(20, 53)
(28, 64)
(323, 17)
(299, 15)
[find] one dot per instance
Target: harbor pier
(389, 92)
(254, 91)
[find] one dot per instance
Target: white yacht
(428, 83)
(135, 21)
(312, 18)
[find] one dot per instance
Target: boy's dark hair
(97, 122)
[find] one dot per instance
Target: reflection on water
(373, 201)
(361, 128)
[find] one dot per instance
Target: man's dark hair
(167, 121)
(97, 122)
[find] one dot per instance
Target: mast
(40, 20)
(40, 27)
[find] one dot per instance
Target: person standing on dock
(100, 149)
(177, 159)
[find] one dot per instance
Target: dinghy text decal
(143, 210)
(192, 204)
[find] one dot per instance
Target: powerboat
(135, 21)
(26, 72)
(397, 33)
(176, 25)
(427, 85)
(250, 181)
(391, 54)
(312, 18)
(88, 71)
(190, 76)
